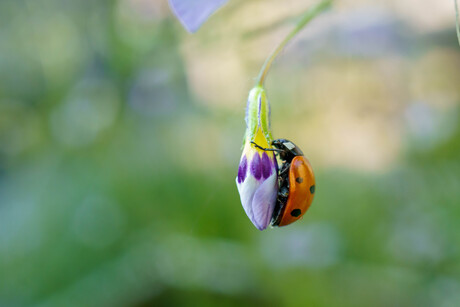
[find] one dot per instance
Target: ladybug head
(288, 149)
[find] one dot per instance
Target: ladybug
(296, 183)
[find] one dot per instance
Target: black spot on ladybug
(299, 179)
(296, 212)
(312, 189)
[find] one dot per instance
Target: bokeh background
(120, 137)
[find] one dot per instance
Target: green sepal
(258, 114)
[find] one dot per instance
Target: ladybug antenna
(266, 149)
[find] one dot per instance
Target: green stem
(456, 21)
(309, 15)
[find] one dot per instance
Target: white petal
(258, 199)
(263, 202)
(247, 189)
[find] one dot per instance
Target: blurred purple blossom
(193, 13)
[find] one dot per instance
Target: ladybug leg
(276, 213)
(266, 149)
(284, 169)
(283, 192)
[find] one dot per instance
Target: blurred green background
(120, 137)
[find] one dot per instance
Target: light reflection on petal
(247, 189)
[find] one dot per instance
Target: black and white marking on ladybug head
(289, 145)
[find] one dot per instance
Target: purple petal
(263, 202)
(266, 166)
(242, 169)
(193, 13)
(256, 166)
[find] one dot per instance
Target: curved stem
(456, 21)
(309, 15)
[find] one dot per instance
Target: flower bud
(257, 179)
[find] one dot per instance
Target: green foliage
(117, 173)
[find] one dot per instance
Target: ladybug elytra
(296, 183)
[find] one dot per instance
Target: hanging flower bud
(257, 179)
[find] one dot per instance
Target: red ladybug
(296, 183)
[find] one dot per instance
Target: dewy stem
(309, 15)
(456, 21)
